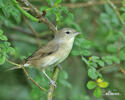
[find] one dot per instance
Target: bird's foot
(53, 83)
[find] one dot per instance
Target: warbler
(54, 52)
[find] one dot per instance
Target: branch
(33, 31)
(40, 17)
(24, 12)
(22, 30)
(88, 4)
(51, 89)
(26, 73)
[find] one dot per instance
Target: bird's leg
(51, 81)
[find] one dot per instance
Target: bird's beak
(77, 33)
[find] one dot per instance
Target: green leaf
(43, 8)
(85, 60)
(2, 37)
(11, 50)
(50, 2)
(107, 60)
(122, 9)
(2, 59)
(94, 58)
(122, 55)
(108, 9)
(112, 48)
(101, 63)
(103, 84)
(123, 15)
(93, 64)
(97, 92)
(91, 85)
(92, 73)
(1, 3)
(1, 32)
(57, 1)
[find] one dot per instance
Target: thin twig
(88, 4)
(39, 15)
(51, 89)
(33, 31)
(24, 12)
(29, 77)
(106, 67)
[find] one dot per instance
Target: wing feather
(43, 52)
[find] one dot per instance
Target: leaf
(11, 50)
(123, 16)
(91, 85)
(108, 9)
(1, 32)
(43, 8)
(92, 73)
(122, 54)
(112, 48)
(99, 80)
(2, 37)
(122, 9)
(93, 64)
(107, 59)
(97, 92)
(1, 3)
(57, 2)
(103, 84)
(101, 63)
(85, 60)
(2, 59)
(50, 2)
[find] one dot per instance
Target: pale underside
(50, 55)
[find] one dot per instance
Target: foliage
(96, 60)
(5, 48)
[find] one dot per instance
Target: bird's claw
(53, 83)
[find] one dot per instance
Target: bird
(52, 54)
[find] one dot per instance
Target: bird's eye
(67, 32)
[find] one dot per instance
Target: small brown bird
(54, 52)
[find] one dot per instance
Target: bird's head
(66, 34)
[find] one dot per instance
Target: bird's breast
(65, 49)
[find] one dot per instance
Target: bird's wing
(44, 51)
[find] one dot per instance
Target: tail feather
(13, 68)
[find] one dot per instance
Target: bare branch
(33, 31)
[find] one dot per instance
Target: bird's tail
(13, 68)
(18, 67)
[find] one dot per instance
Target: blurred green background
(98, 53)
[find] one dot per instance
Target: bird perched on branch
(54, 52)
